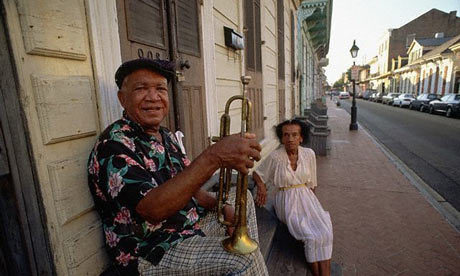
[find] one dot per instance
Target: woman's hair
(304, 129)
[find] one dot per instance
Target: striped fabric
(205, 255)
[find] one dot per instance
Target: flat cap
(165, 68)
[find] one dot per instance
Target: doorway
(165, 29)
(253, 63)
(24, 248)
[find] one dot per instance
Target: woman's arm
(261, 196)
(206, 199)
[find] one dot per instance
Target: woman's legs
(322, 268)
(325, 268)
(314, 268)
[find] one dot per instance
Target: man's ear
(121, 98)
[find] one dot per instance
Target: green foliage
(338, 84)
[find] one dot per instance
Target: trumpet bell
(240, 242)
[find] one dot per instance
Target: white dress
(298, 207)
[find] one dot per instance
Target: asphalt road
(428, 144)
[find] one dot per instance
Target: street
(428, 144)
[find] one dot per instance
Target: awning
(316, 15)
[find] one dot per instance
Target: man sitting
(154, 213)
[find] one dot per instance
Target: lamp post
(353, 125)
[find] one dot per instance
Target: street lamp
(353, 125)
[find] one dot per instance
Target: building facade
(394, 43)
(58, 93)
(431, 69)
(314, 21)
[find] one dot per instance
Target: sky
(366, 21)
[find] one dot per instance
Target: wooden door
(171, 30)
(192, 105)
(253, 63)
(24, 249)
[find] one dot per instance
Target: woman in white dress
(292, 170)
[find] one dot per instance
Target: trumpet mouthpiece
(245, 79)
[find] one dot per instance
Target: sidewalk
(382, 223)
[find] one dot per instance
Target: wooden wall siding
(196, 119)
(59, 103)
(227, 62)
(270, 67)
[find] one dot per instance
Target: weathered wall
(52, 54)
(66, 53)
(228, 62)
(269, 72)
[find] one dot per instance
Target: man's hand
(233, 151)
(229, 215)
(237, 152)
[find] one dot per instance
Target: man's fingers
(248, 135)
(255, 145)
(254, 154)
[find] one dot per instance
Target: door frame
(106, 56)
(25, 191)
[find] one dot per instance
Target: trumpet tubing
(239, 242)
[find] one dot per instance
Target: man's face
(144, 96)
(291, 136)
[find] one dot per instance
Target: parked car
(344, 95)
(403, 100)
(449, 104)
(422, 102)
(367, 94)
(335, 93)
(377, 97)
(388, 99)
(373, 97)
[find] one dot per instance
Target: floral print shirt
(124, 165)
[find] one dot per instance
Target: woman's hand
(261, 195)
(229, 215)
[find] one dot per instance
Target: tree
(338, 84)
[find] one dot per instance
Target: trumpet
(239, 242)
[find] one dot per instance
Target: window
(409, 39)
(253, 37)
(280, 23)
(444, 80)
(292, 48)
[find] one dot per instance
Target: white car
(344, 95)
(403, 100)
(388, 99)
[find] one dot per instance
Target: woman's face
(291, 137)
